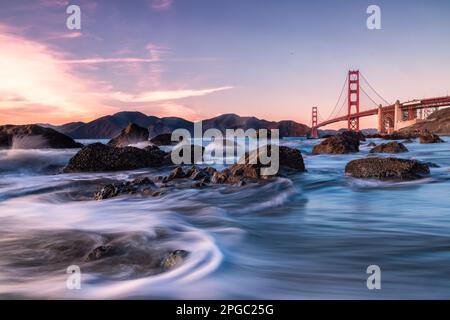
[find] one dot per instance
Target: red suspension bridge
(362, 100)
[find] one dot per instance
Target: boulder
(429, 137)
(174, 259)
(372, 144)
(98, 157)
(409, 140)
(129, 187)
(34, 137)
(249, 167)
(390, 147)
(164, 139)
(131, 134)
(101, 252)
(387, 169)
(341, 143)
(176, 173)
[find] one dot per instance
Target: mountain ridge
(109, 126)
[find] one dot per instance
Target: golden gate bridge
(350, 107)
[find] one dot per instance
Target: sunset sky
(196, 59)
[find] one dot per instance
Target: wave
(34, 160)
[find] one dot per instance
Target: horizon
(197, 60)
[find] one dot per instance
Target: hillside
(438, 122)
(109, 126)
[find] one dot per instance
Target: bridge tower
(314, 122)
(353, 100)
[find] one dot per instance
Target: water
(310, 236)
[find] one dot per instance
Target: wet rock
(144, 185)
(34, 137)
(341, 143)
(372, 144)
(220, 177)
(164, 139)
(107, 192)
(390, 147)
(431, 164)
(249, 166)
(429, 137)
(409, 140)
(174, 259)
(101, 252)
(98, 157)
(386, 169)
(176, 173)
(131, 134)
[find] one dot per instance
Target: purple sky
(273, 59)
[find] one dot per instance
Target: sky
(273, 59)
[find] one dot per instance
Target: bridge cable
(339, 99)
(362, 89)
(387, 103)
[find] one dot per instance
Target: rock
(98, 157)
(438, 122)
(176, 173)
(372, 144)
(100, 252)
(34, 137)
(341, 143)
(144, 185)
(164, 139)
(386, 169)
(429, 137)
(174, 259)
(390, 147)
(249, 167)
(107, 192)
(131, 134)
(220, 177)
(409, 140)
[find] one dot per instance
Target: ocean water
(312, 235)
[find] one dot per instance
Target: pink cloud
(161, 4)
(44, 86)
(166, 95)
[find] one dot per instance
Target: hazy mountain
(109, 126)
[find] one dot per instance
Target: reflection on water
(310, 236)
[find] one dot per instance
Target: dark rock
(429, 137)
(176, 173)
(164, 139)
(398, 135)
(341, 143)
(129, 187)
(390, 147)
(101, 252)
(372, 144)
(98, 157)
(431, 164)
(34, 137)
(409, 140)
(387, 169)
(249, 167)
(131, 134)
(174, 259)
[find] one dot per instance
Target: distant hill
(437, 122)
(109, 126)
